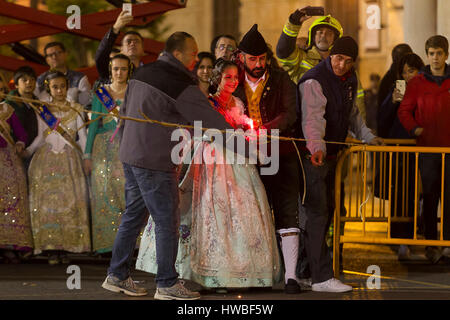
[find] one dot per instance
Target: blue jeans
(158, 192)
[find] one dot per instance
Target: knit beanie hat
(253, 42)
(346, 46)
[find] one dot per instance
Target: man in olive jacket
(164, 90)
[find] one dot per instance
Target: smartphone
(315, 11)
(127, 7)
(401, 86)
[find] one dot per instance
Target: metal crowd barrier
(367, 173)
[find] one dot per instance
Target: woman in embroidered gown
(227, 237)
(101, 160)
(58, 190)
(15, 224)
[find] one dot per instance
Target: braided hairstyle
(216, 76)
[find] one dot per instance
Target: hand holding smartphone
(401, 86)
(128, 8)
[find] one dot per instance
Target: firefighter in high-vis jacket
(322, 34)
(297, 58)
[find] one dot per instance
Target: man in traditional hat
(328, 112)
(269, 97)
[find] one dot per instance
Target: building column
(420, 23)
(443, 22)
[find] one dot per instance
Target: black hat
(346, 46)
(253, 42)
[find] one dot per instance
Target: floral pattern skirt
(59, 201)
(227, 235)
(15, 224)
(108, 192)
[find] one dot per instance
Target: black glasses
(228, 47)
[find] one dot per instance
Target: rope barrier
(162, 123)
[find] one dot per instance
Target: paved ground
(35, 287)
(415, 279)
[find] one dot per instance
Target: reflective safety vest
(301, 61)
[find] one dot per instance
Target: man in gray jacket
(328, 111)
(167, 91)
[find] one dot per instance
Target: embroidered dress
(107, 179)
(227, 237)
(58, 190)
(15, 224)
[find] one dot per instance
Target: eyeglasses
(228, 47)
(54, 54)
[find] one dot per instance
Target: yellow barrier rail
(382, 184)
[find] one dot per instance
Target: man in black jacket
(269, 97)
(132, 46)
(167, 91)
(328, 112)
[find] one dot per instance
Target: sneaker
(433, 254)
(446, 252)
(291, 287)
(127, 286)
(331, 285)
(305, 283)
(404, 253)
(176, 292)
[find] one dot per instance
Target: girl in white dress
(58, 191)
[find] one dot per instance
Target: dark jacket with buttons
(277, 105)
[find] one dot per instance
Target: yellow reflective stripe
(289, 32)
(307, 65)
(360, 93)
(291, 61)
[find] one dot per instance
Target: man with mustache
(269, 97)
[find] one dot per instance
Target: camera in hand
(315, 11)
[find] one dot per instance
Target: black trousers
(430, 166)
(283, 190)
(319, 208)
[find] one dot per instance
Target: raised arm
(107, 43)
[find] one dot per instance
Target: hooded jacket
(426, 105)
(164, 91)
